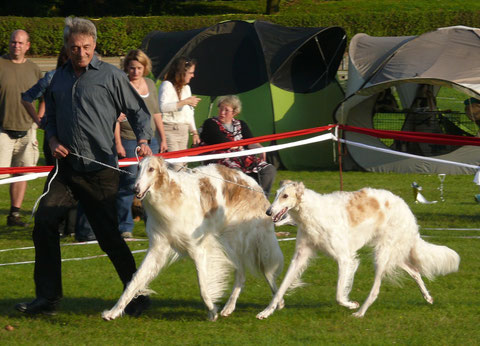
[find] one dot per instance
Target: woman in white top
(177, 105)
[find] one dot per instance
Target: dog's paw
(350, 305)
(212, 315)
(109, 315)
(358, 314)
(429, 299)
(227, 310)
(265, 313)
(281, 305)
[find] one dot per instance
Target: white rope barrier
(26, 177)
(316, 139)
(72, 244)
(255, 151)
(67, 259)
(83, 258)
(398, 153)
(145, 250)
(199, 158)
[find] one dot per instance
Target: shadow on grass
(161, 309)
(16, 233)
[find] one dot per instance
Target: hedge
(116, 36)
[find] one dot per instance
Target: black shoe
(37, 306)
(16, 220)
(87, 238)
(138, 305)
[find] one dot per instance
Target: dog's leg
(418, 279)
(272, 266)
(154, 261)
(202, 275)
(295, 270)
(270, 277)
(237, 288)
(346, 271)
(380, 270)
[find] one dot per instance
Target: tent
(285, 76)
(396, 83)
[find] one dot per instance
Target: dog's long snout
(269, 211)
(136, 189)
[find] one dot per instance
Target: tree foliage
(273, 6)
(90, 8)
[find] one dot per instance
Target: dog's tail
(432, 260)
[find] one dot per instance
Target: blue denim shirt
(39, 89)
(82, 112)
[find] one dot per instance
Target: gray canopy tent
(400, 77)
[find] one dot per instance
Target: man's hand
(144, 149)
(57, 149)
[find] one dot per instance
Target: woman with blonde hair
(137, 66)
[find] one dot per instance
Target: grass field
(311, 316)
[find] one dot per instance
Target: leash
(82, 157)
(43, 194)
(104, 164)
(224, 180)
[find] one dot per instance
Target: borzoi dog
(341, 223)
(215, 215)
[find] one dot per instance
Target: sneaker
(127, 235)
(15, 220)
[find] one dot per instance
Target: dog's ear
(300, 189)
(158, 163)
(285, 182)
(161, 161)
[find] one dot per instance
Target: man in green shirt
(17, 137)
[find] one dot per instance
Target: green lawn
(311, 316)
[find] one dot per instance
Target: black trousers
(265, 178)
(97, 192)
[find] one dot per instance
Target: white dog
(213, 214)
(341, 223)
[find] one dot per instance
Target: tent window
(313, 66)
(443, 113)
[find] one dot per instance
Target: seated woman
(225, 128)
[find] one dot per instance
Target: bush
(116, 36)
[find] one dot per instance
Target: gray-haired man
(84, 100)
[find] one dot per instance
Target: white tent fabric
(444, 57)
